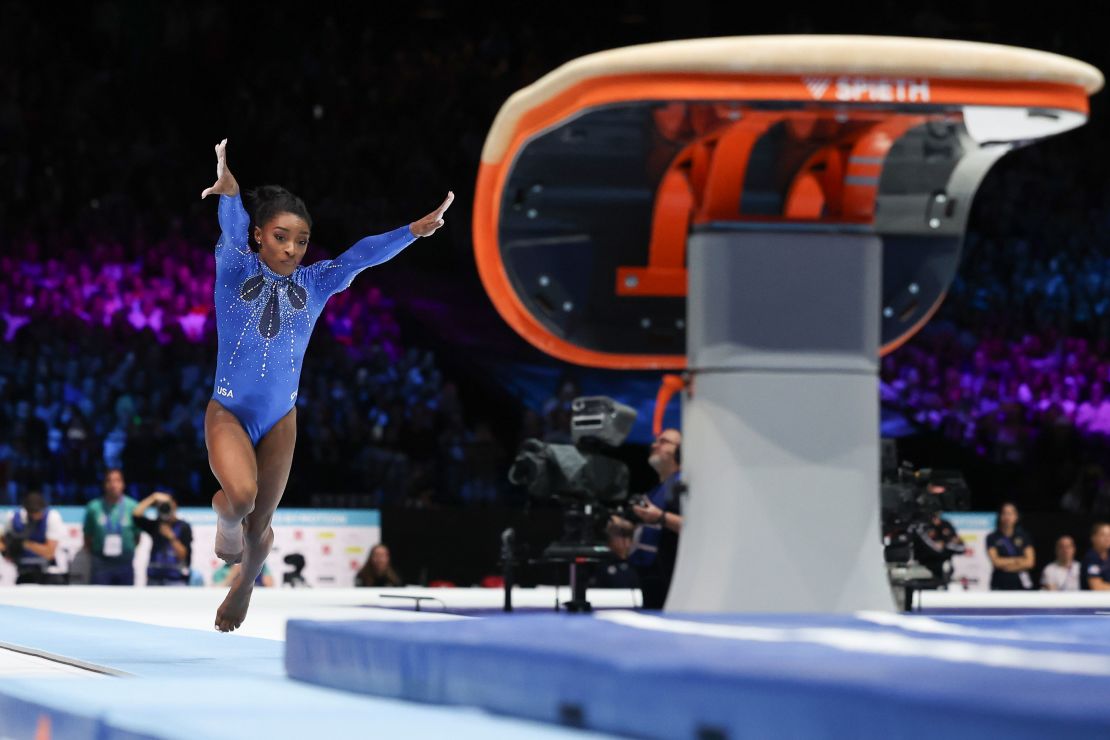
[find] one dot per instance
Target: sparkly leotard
(264, 320)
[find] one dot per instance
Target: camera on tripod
(918, 543)
(586, 481)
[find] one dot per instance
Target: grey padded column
(781, 432)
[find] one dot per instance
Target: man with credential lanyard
(110, 534)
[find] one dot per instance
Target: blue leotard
(264, 320)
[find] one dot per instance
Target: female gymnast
(266, 306)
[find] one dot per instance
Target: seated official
(1063, 573)
(29, 539)
(1094, 571)
(378, 571)
(171, 549)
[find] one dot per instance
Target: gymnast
(266, 306)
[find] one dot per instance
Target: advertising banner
(972, 570)
(333, 542)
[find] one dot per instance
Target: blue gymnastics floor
(527, 675)
(806, 676)
(188, 684)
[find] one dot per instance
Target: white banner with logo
(333, 542)
(972, 570)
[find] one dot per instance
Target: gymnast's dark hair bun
(267, 201)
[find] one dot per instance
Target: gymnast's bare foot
(229, 542)
(230, 615)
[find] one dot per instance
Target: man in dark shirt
(935, 543)
(1094, 571)
(171, 550)
(655, 541)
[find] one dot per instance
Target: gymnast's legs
(252, 483)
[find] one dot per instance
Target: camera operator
(655, 540)
(937, 542)
(29, 539)
(171, 550)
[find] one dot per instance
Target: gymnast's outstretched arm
(234, 221)
(329, 277)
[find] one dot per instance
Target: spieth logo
(292, 395)
(225, 392)
(869, 90)
(817, 86)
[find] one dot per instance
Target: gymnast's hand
(428, 225)
(225, 181)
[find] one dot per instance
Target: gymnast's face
(282, 242)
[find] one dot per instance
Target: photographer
(30, 538)
(655, 540)
(171, 550)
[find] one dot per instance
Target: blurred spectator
(29, 539)
(557, 411)
(119, 399)
(110, 534)
(171, 549)
(1011, 552)
(378, 571)
(1063, 573)
(1090, 492)
(1094, 571)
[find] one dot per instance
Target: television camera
(918, 544)
(584, 479)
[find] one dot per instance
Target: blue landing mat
(139, 649)
(236, 709)
(739, 676)
(190, 684)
